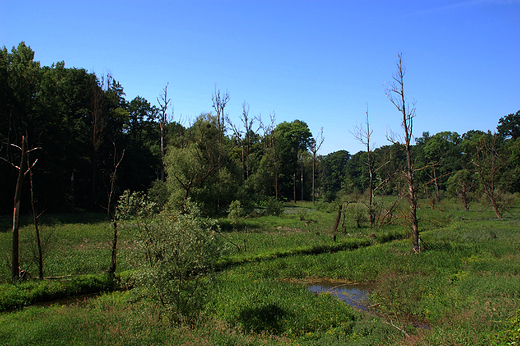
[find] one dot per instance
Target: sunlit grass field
(462, 289)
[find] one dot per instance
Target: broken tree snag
(338, 217)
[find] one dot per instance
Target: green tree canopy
(509, 126)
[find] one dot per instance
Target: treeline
(90, 142)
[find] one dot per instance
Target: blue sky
(321, 62)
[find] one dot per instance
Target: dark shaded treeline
(83, 124)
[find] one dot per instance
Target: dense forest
(85, 142)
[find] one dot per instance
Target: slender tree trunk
(496, 208)
(37, 229)
(313, 177)
(163, 101)
(363, 135)
(15, 267)
(244, 171)
(489, 166)
(463, 196)
(315, 147)
(294, 187)
(435, 181)
(371, 216)
(395, 94)
(338, 218)
(412, 191)
(161, 125)
(113, 258)
(112, 210)
(301, 177)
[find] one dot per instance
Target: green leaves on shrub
(178, 254)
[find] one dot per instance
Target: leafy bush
(274, 207)
(158, 193)
(356, 212)
(302, 214)
(236, 211)
(327, 207)
(178, 253)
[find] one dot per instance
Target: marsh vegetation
(463, 285)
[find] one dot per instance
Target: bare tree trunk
(464, 198)
(313, 178)
(315, 147)
(97, 131)
(219, 105)
(37, 228)
(395, 94)
(112, 210)
(23, 169)
(338, 218)
(301, 176)
(436, 197)
(294, 187)
(15, 265)
(489, 165)
(363, 135)
(163, 101)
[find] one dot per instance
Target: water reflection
(354, 295)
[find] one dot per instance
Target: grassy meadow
(462, 289)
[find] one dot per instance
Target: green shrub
(274, 207)
(178, 251)
(326, 207)
(236, 211)
(159, 193)
(356, 213)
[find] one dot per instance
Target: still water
(354, 295)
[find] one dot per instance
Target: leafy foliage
(178, 253)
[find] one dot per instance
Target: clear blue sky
(318, 61)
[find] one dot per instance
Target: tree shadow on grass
(267, 318)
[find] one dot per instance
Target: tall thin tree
(363, 134)
(314, 146)
(395, 93)
(219, 105)
(164, 102)
(23, 169)
(111, 209)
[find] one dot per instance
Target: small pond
(355, 295)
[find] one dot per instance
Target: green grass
(72, 245)
(464, 284)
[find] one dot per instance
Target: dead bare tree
(111, 209)
(270, 146)
(395, 93)
(164, 102)
(219, 104)
(314, 146)
(363, 133)
(98, 127)
(39, 254)
(245, 140)
(23, 169)
(488, 166)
